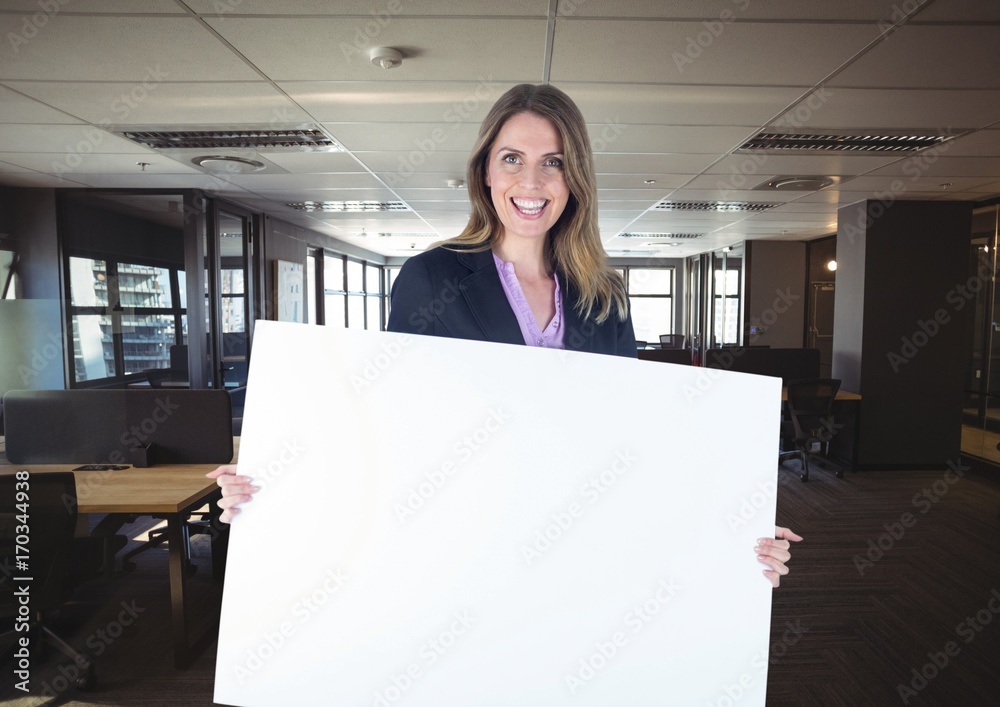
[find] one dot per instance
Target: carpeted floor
(849, 628)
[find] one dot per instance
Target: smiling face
(526, 178)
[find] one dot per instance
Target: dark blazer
(458, 294)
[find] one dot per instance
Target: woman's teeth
(530, 207)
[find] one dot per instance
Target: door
(233, 306)
(821, 325)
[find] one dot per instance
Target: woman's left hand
(774, 553)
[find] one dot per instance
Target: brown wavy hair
(575, 250)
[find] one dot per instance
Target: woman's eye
(510, 159)
(553, 162)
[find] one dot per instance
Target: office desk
(841, 395)
(171, 491)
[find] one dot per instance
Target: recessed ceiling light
(228, 163)
(797, 183)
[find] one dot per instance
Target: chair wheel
(128, 566)
(840, 474)
(804, 477)
(191, 569)
(88, 680)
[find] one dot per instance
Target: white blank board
(455, 523)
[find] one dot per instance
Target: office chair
(810, 408)
(672, 341)
(58, 562)
(178, 370)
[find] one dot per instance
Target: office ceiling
(670, 90)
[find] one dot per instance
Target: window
(727, 306)
(650, 294)
(124, 317)
(353, 295)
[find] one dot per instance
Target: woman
(529, 268)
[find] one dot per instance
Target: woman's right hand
(235, 490)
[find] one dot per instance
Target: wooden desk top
(841, 395)
(167, 488)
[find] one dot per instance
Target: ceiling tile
(926, 56)
(97, 163)
(416, 139)
(743, 170)
(635, 180)
(144, 50)
(375, 17)
(960, 10)
(437, 49)
(405, 164)
(397, 101)
(284, 182)
(314, 162)
(111, 7)
(984, 143)
(680, 105)
(222, 104)
(70, 139)
(742, 54)
(652, 164)
(935, 162)
(939, 111)
(623, 137)
(16, 108)
(872, 10)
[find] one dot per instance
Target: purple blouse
(552, 336)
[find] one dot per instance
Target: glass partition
(981, 409)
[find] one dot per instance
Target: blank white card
(455, 523)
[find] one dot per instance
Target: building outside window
(124, 317)
(650, 294)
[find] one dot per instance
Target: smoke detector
(386, 57)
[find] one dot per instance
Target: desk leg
(178, 610)
(220, 541)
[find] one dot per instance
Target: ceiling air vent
(239, 139)
(667, 236)
(841, 143)
(348, 206)
(713, 206)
